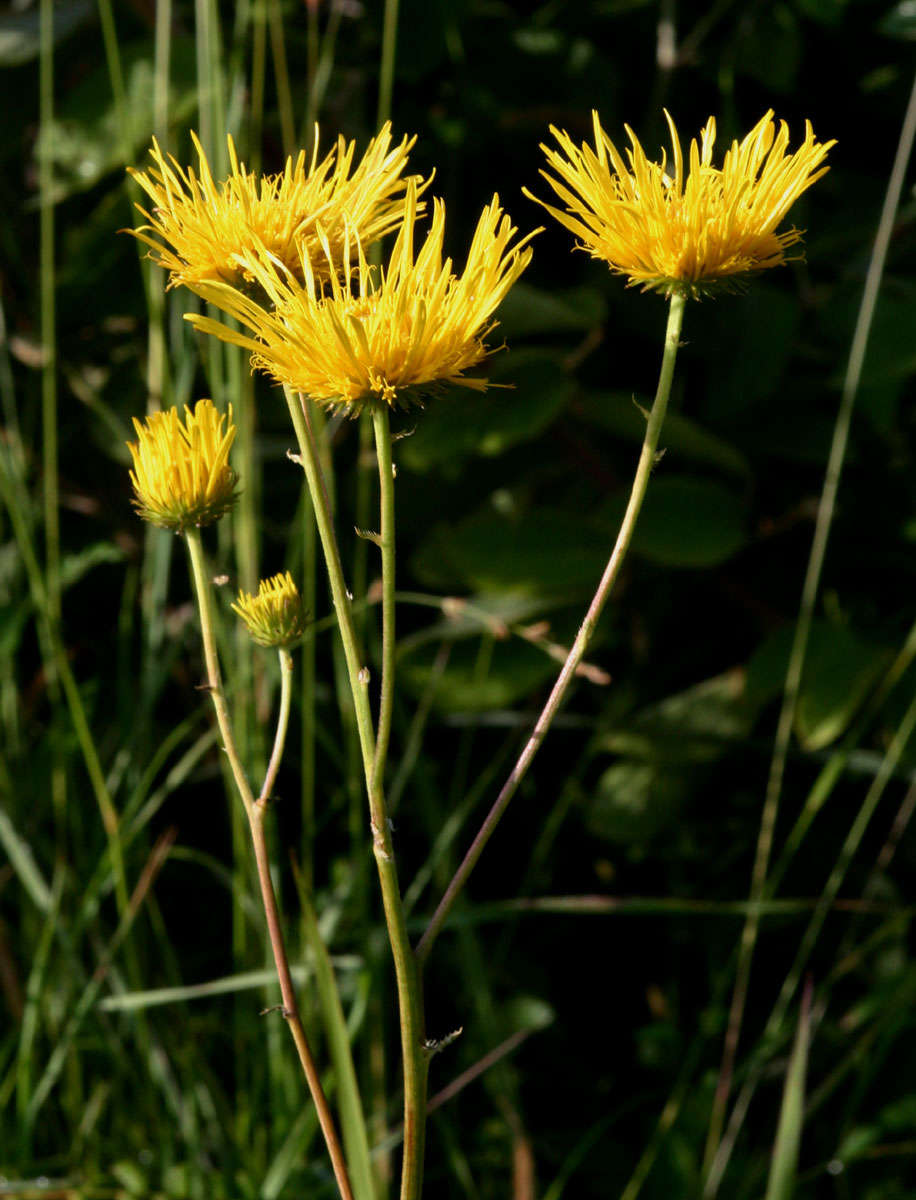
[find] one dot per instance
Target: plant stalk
(410, 1001)
(256, 811)
(647, 459)
(50, 496)
(386, 67)
(276, 754)
(382, 426)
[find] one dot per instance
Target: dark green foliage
(650, 787)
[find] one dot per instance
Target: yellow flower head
(181, 472)
(274, 617)
(349, 337)
(200, 230)
(689, 233)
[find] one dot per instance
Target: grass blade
(784, 1166)
(352, 1117)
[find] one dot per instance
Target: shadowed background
(595, 946)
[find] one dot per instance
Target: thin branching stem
(647, 459)
(276, 754)
(256, 811)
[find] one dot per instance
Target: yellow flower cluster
(200, 230)
(675, 230)
(181, 472)
(285, 256)
(274, 617)
(389, 337)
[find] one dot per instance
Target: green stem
(214, 676)
(382, 425)
(410, 1000)
(362, 507)
(358, 673)
(281, 76)
(286, 695)
(647, 460)
(48, 315)
(386, 69)
(307, 694)
(256, 811)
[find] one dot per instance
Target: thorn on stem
(368, 536)
(433, 1046)
(644, 411)
(285, 1012)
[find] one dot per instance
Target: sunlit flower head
(201, 230)
(274, 617)
(355, 335)
(689, 231)
(181, 474)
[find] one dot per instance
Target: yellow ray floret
(352, 336)
(690, 230)
(181, 472)
(199, 229)
(274, 617)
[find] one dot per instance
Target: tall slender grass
(133, 1067)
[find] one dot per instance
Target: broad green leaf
(840, 669)
(891, 354)
(74, 566)
(681, 437)
(689, 522)
(515, 670)
(900, 22)
(131, 1178)
(747, 344)
(539, 42)
(20, 29)
(634, 801)
(528, 311)
(772, 50)
(526, 1012)
(695, 725)
(858, 1142)
(90, 136)
(463, 422)
(827, 12)
(542, 552)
